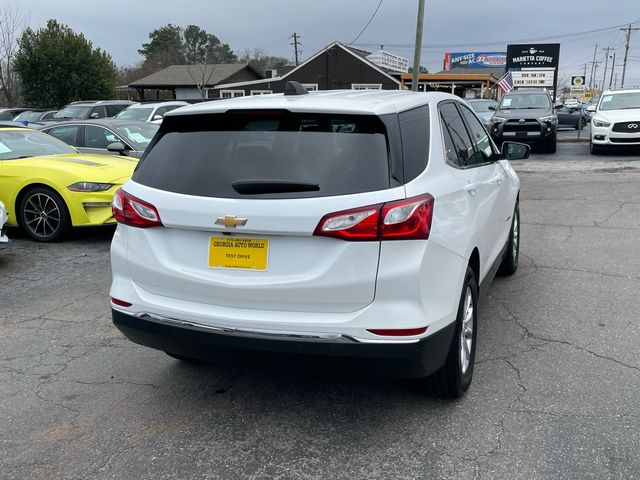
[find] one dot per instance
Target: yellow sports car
(47, 186)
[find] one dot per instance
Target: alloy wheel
(42, 215)
(466, 332)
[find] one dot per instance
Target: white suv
(355, 225)
(616, 120)
(149, 112)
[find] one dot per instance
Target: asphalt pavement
(556, 391)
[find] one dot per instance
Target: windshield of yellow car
(24, 143)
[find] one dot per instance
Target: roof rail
(631, 87)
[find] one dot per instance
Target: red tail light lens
(359, 224)
(393, 332)
(134, 212)
(407, 219)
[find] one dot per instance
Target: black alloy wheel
(43, 215)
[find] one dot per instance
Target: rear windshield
(267, 154)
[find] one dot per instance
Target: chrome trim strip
(248, 332)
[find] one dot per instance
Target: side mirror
(492, 108)
(515, 151)
(117, 147)
(157, 117)
(94, 115)
(591, 108)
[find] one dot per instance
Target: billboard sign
(474, 60)
(533, 56)
(538, 63)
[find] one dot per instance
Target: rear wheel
(44, 215)
(454, 377)
(185, 359)
(509, 263)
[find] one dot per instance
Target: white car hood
(615, 116)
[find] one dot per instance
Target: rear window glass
(267, 154)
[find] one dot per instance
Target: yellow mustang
(47, 186)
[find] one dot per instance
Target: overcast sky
(120, 27)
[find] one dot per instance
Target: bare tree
(201, 75)
(12, 23)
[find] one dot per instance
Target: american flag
(506, 82)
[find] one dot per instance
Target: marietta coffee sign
(527, 56)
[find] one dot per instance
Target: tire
(182, 358)
(551, 147)
(452, 380)
(43, 215)
(595, 149)
(509, 263)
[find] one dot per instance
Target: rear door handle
(471, 188)
(497, 179)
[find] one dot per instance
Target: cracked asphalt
(556, 391)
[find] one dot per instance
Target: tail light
(408, 219)
(134, 212)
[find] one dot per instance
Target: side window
(462, 143)
(68, 134)
(101, 111)
(414, 131)
(484, 150)
(98, 137)
(449, 147)
(113, 110)
(48, 115)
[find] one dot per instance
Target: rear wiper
(256, 187)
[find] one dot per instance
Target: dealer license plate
(238, 253)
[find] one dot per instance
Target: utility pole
(595, 71)
(585, 71)
(418, 47)
(613, 67)
(593, 63)
(295, 43)
(628, 30)
(606, 62)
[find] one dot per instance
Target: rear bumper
(401, 360)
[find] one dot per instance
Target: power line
(502, 42)
(369, 23)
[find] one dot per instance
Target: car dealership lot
(556, 392)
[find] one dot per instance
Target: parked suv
(616, 120)
(355, 225)
(149, 112)
(526, 116)
(91, 109)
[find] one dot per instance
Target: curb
(572, 140)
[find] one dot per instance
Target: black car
(571, 117)
(106, 136)
(526, 116)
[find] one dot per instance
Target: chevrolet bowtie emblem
(231, 221)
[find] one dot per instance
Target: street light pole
(418, 47)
